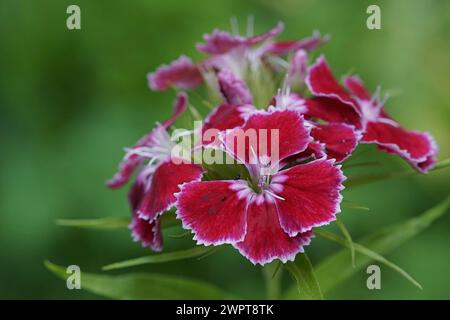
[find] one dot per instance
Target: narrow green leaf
(160, 258)
(100, 223)
(348, 237)
(307, 284)
(367, 252)
(359, 180)
(168, 220)
(361, 164)
(352, 205)
(336, 269)
(143, 286)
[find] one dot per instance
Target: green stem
(272, 279)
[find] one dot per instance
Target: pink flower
(220, 42)
(181, 74)
(153, 191)
(355, 106)
(269, 216)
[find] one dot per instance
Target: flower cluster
(269, 209)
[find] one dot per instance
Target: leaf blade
(348, 237)
(369, 253)
(383, 241)
(302, 271)
(160, 258)
(358, 180)
(144, 286)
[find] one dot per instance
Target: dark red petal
(137, 192)
(148, 233)
(418, 148)
(340, 139)
(287, 46)
(164, 184)
(265, 240)
(181, 73)
(178, 109)
(332, 110)
(214, 210)
(315, 150)
(233, 89)
(225, 116)
(311, 194)
(126, 169)
(321, 83)
(356, 87)
(260, 134)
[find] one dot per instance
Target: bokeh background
(70, 100)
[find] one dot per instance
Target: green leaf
(363, 179)
(100, 223)
(348, 237)
(367, 252)
(336, 269)
(361, 164)
(351, 205)
(143, 286)
(303, 273)
(161, 257)
(168, 220)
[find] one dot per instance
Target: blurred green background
(70, 100)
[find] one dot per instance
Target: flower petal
(148, 233)
(287, 46)
(355, 85)
(333, 111)
(321, 83)
(178, 109)
(220, 42)
(340, 139)
(418, 148)
(280, 131)
(214, 210)
(233, 89)
(225, 116)
(311, 195)
(132, 161)
(267, 35)
(164, 184)
(265, 240)
(297, 68)
(181, 73)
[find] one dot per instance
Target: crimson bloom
(355, 106)
(153, 191)
(269, 216)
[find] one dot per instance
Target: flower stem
(272, 277)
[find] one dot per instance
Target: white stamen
(275, 195)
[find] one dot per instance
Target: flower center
(157, 149)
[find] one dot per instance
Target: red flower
(153, 191)
(355, 106)
(269, 216)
